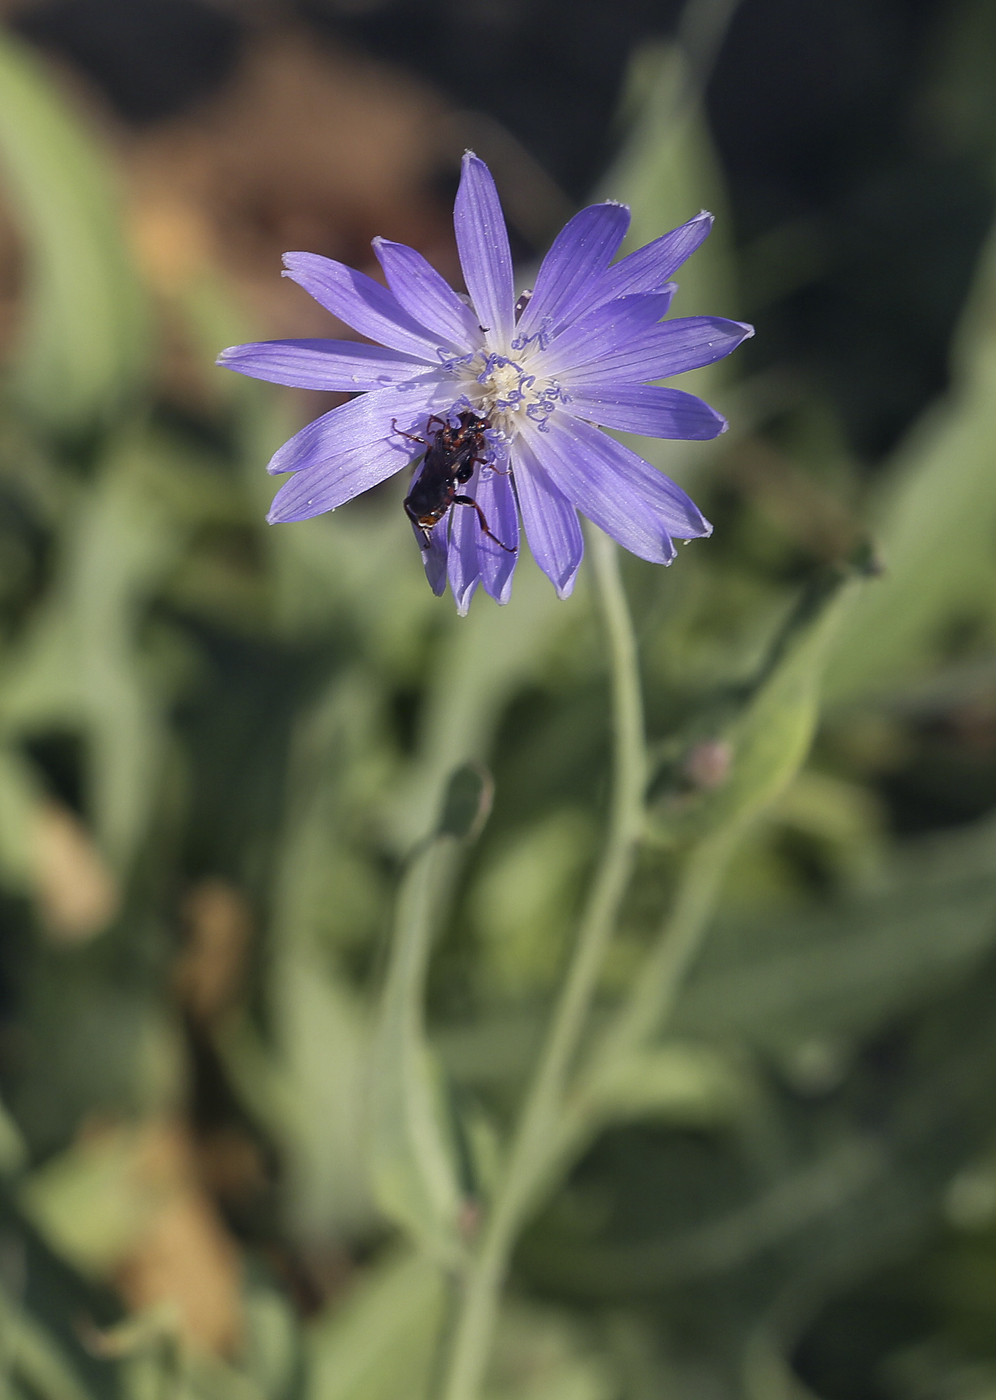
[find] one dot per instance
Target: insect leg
(490, 466)
(469, 501)
(421, 441)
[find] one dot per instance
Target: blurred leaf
(854, 1173)
(541, 1354)
(678, 1083)
(844, 818)
(29, 1357)
(310, 1094)
(309, 1082)
(771, 738)
(325, 1046)
(91, 1202)
(467, 802)
(273, 1356)
(413, 1167)
(522, 902)
(167, 1369)
(667, 171)
(124, 545)
(80, 668)
(85, 347)
(20, 807)
(937, 522)
(840, 971)
(13, 1149)
(381, 1342)
(483, 659)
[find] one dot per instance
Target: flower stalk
(535, 1147)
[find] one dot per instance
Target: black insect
(451, 454)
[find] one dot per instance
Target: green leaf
(13, 1149)
(483, 660)
(272, 1355)
(545, 1354)
(84, 349)
(678, 1082)
(414, 1171)
(936, 519)
(770, 740)
(380, 1344)
(811, 979)
(81, 667)
(686, 1083)
(313, 1093)
(89, 1202)
(668, 172)
(20, 798)
(467, 802)
(28, 1354)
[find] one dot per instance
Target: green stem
(656, 986)
(655, 989)
(532, 1152)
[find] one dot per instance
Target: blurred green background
(219, 740)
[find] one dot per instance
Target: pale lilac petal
(463, 565)
(644, 408)
(601, 333)
(427, 296)
(321, 488)
(344, 365)
(581, 251)
(645, 270)
(551, 522)
(345, 431)
(493, 493)
(434, 557)
(625, 496)
(362, 303)
(486, 259)
(656, 352)
(594, 348)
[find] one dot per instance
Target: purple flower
(545, 371)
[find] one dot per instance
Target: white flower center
(504, 391)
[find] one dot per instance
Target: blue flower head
(545, 373)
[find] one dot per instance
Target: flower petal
(321, 488)
(551, 522)
(624, 495)
(644, 408)
(362, 303)
(463, 565)
(426, 295)
(656, 352)
(581, 251)
(347, 430)
(603, 332)
(322, 364)
(486, 259)
(647, 269)
(493, 492)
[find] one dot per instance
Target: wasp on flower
(519, 390)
